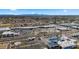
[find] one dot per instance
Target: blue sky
(39, 11)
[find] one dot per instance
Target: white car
(67, 43)
(10, 33)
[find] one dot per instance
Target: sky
(45, 7)
(39, 4)
(39, 11)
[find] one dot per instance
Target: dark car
(53, 43)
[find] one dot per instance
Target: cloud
(14, 9)
(65, 10)
(33, 13)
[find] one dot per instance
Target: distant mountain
(26, 15)
(6, 15)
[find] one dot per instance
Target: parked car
(67, 43)
(53, 42)
(10, 34)
(31, 39)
